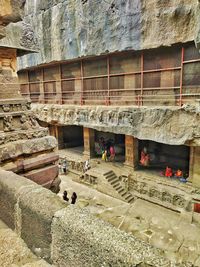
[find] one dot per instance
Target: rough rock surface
(19, 35)
(103, 245)
(169, 125)
(68, 29)
(27, 147)
(11, 10)
(197, 37)
(14, 252)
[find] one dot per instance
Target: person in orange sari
(179, 174)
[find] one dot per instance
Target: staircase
(112, 178)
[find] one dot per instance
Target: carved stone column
(131, 151)
(194, 166)
(89, 142)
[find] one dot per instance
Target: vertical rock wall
(73, 28)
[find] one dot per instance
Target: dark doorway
(160, 156)
(117, 140)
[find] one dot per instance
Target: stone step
(110, 178)
(118, 187)
(116, 180)
(107, 173)
(123, 192)
(131, 200)
(128, 196)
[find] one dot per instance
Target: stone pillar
(191, 164)
(57, 132)
(131, 151)
(195, 167)
(89, 142)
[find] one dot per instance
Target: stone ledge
(88, 241)
(27, 147)
(28, 208)
(149, 123)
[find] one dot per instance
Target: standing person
(87, 165)
(104, 156)
(64, 165)
(112, 153)
(65, 196)
(60, 168)
(73, 198)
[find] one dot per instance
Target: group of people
(107, 149)
(170, 173)
(73, 197)
(63, 166)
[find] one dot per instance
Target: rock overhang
(168, 125)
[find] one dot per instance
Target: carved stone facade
(25, 146)
(170, 194)
(142, 123)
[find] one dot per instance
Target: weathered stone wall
(67, 236)
(68, 29)
(197, 33)
(169, 125)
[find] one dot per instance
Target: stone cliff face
(75, 28)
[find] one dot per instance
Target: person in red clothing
(168, 172)
(145, 158)
(112, 153)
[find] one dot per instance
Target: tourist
(65, 196)
(178, 174)
(145, 158)
(64, 166)
(73, 198)
(104, 156)
(87, 165)
(60, 168)
(168, 172)
(112, 153)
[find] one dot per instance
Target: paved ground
(156, 225)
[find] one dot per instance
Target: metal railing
(140, 95)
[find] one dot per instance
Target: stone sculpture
(25, 147)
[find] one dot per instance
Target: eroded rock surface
(170, 125)
(69, 29)
(14, 252)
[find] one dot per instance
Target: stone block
(26, 147)
(10, 187)
(29, 209)
(39, 161)
(79, 239)
(43, 176)
(37, 208)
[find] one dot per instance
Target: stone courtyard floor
(163, 228)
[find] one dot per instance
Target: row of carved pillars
(131, 151)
